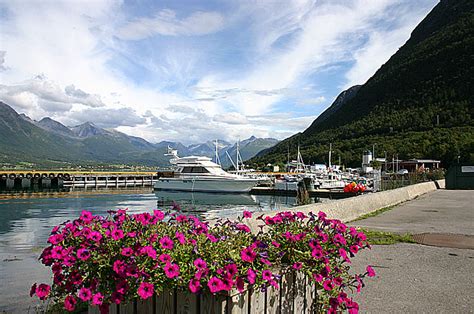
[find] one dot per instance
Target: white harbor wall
(351, 208)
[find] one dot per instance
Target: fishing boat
(201, 174)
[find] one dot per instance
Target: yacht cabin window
(194, 170)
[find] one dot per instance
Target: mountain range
(419, 104)
(49, 143)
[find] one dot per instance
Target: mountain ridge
(24, 139)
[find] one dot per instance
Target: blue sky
(191, 71)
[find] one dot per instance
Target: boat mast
(330, 151)
(299, 161)
(237, 157)
(218, 160)
(230, 158)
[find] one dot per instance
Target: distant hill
(417, 105)
(49, 143)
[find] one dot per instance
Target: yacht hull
(205, 185)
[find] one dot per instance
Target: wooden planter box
(297, 294)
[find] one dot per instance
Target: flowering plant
(121, 257)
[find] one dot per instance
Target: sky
(190, 70)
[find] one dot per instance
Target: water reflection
(27, 219)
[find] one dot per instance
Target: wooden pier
(12, 180)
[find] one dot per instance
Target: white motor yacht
(200, 174)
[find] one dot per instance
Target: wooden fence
(297, 294)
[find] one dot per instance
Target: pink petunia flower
(317, 253)
(343, 254)
(212, 238)
(318, 277)
(148, 250)
(243, 228)
(164, 258)
(146, 290)
(95, 236)
(117, 234)
(214, 284)
(86, 216)
(240, 284)
(56, 239)
(97, 299)
(171, 270)
(83, 254)
(354, 249)
(231, 269)
(126, 251)
(328, 285)
(274, 283)
(267, 275)
(166, 243)
(247, 214)
(181, 218)
(370, 271)
(297, 265)
(194, 285)
(85, 294)
(248, 255)
(70, 303)
(57, 252)
(159, 214)
(180, 237)
(251, 276)
(33, 290)
(42, 291)
(200, 263)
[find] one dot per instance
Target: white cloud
(2, 61)
(186, 94)
(382, 44)
(166, 23)
(231, 118)
(109, 118)
(311, 101)
(48, 95)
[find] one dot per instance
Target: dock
(10, 180)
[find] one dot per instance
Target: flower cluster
(121, 257)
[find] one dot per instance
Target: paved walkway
(440, 211)
(413, 278)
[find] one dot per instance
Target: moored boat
(200, 174)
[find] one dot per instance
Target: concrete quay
(351, 208)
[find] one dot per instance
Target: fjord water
(27, 219)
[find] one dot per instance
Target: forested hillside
(417, 105)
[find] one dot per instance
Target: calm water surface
(26, 220)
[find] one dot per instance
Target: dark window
(199, 170)
(187, 169)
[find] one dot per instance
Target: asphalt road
(414, 278)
